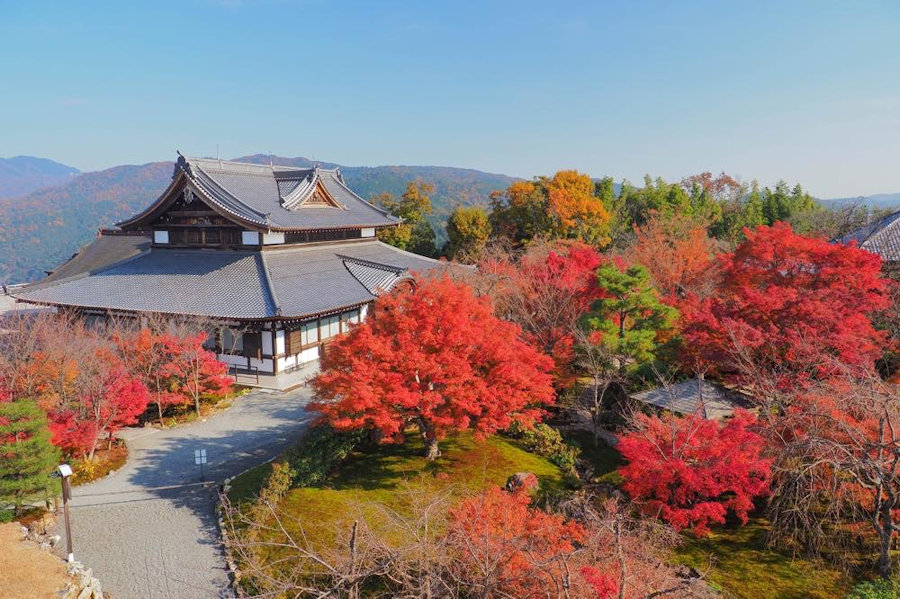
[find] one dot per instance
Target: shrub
(879, 589)
(318, 452)
(6, 515)
(545, 441)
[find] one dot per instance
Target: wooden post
(66, 492)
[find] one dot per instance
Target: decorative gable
(308, 191)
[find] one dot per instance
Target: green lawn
(743, 567)
(603, 457)
(390, 475)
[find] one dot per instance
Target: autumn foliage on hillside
(433, 356)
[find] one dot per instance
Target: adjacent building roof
(695, 396)
(274, 198)
(881, 237)
(109, 247)
(290, 282)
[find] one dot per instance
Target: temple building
(880, 237)
(278, 259)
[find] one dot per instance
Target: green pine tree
(630, 317)
(27, 457)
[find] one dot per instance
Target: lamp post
(64, 471)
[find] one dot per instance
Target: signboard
(199, 456)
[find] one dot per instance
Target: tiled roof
(881, 237)
(374, 277)
(107, 249)
(273, 197)
(708, 399)
(289, 282)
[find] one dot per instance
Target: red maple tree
(693, 471)
(546, 292)
(109, 399)
(192, 372)
(148, 355)
(789, 308)
(435, 357)
(505, 547)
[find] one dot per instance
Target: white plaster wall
(249, 237)
(273, 238)
(264, 365)
(363, 312)
(279, 341)
(368, 232)
(309, 354)
(160, 237)
(267, 346)
(234, 360)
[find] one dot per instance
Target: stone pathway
(150, 530)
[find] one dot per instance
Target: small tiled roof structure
(694, 396)
(269, 197)
(881, 237)
(291, 282)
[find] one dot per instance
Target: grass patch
(246, 486)
(388, 475)
(743, 567)
(604, 458)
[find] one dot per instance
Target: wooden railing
(250, 371)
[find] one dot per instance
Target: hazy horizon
(807, 91)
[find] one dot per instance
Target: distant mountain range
(21, 175)
(43, 228)
(877, 201)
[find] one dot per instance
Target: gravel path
(150, 530)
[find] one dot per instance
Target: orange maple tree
(678, 253)
(577, 213)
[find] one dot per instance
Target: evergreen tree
(26, 455)
(629, 319)
(422, 239)
(414, 233)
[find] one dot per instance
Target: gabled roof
(695, 396)
(881, 237)
(275, 198)
(291, 282)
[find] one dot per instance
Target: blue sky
(805, 91)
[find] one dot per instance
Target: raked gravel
(150, 530)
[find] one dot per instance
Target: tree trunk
(885, 532)
(432, 451)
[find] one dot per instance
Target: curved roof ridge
(336, 176)
(267, 277)
(299, 194)
(229, 197)
(372, 263)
